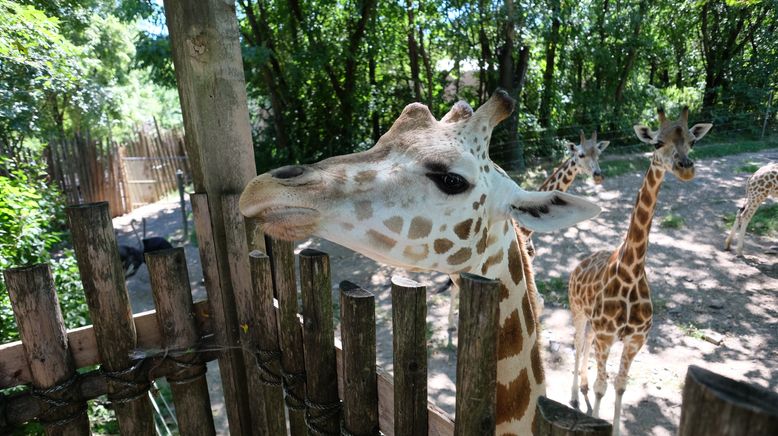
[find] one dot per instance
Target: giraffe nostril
(287, 172)
(686, 163)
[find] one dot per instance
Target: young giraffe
(584, 159)
(427, 197)
(762, 184)
(608, 291)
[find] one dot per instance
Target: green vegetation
(748, 168)
(763, 223)
(617, 167)
(671, 221)
(554, 291)
(691, 330)
(735, 147)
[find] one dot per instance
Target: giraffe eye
(450, 183)
(581, 155)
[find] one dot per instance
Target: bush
(32, 224)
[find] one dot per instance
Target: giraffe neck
(520, 376)
(633, 249)
(562, 177)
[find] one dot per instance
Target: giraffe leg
(631, 348)
(585, 367)
(728, 241)
(579, 322)
(602, 347)
(745, 217)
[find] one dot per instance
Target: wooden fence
(301, 380)
(138, 171)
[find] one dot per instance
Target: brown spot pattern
(461, 256)
(491, 261)
(381, 241)
(477, 227)
(442, 245)
(480, 246)
(513, 400)
(417, 253)
(365, 176)
(510, 340)
(463, 229)
(526, 308)
(537, 365)
(514, 262)
(364, 210)
(420, 227)
(394, 224)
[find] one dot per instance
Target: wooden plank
(321, 374)
(94, 243)
(290, 335)
(409, 322)
(556, 419)
(360, 392)
(245, 302)
(476, 389)
(42, 329)
(223, 311)
(173, 299)
(714, 405)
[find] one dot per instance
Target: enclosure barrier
(294, 367)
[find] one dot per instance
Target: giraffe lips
(598, 180)
(289, 223)
(684, 174)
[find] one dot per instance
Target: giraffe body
(761, 185)
(609, 295)
(427, 197)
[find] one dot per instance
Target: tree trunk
(413, 52)
(544, 116)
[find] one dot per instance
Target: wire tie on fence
(290, 381)
(55, 398)
(267, 376)
(133, 389)
(183, 367)
(328, 411)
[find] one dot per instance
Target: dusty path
(697, 288)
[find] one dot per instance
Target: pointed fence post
(44, 338)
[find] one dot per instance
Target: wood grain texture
(173, 299)
(357, 330)
(556, 419)
(714, 405)
(409, 322)
(476, 389)
(321, 374)
(205, 44)
(97, 253)
(42, 329)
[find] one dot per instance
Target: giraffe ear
(460, 111)
(549, 211)
(571, 147)
(699, 130)
(645, 134)
(602, 145)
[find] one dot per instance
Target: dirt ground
(698, 291)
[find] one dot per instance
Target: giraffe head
(587, 155)
(418, 199)
(673, 142)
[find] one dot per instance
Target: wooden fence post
(409, 338)
(322, 412)
(714, 405)
(290, 334)
(243, 288)
(205, 44)
(109, 307)
(264, 333)
(360, 388)
(42, 330)
(556, 419)
(477, 348)
(173, 300)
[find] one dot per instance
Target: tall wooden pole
(209, 69)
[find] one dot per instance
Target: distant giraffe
(427, 197)
(761, 185)
(608, 291)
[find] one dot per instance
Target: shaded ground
(698, 289)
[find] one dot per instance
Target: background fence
(300, 378)
(138, 171)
